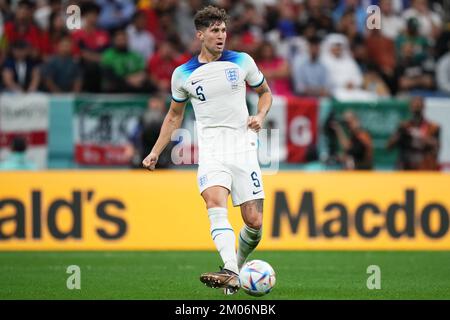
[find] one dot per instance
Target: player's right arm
(172, 121)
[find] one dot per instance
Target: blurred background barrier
(28, 116)
(101, 130)
(130, 210)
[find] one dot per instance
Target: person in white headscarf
(346, 77)
(337, 58)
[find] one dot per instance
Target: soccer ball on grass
(257, 278)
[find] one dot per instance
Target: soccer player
(215, 82)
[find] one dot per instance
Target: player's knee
(254, 221)
(214, 203)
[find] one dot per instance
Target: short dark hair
(209, 16)
(26, 3)
(117, 31)
(314, 40)
(90, 7)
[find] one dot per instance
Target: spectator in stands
(358, 11)
(417, 140)
(348, 27)
(62, 73)
(310, 77)
(90, 42)
(16, 159)
(443, 72)
(442, 43)
(45, 9)
(430, 23)
(146, 133)
(124, 70)
(6, 10)
(20, 73)
(419, 43)
(356, 146)
(360, 54)
(392, 25)
(22, 28)
(162, 64)
(56, 31)
(2, 39)
(275, 69)
(287, 23)
(151, 11)
(374, 83)
(381, 52)
(319, 18)
(412, 74)
(140, 40)
(246, 31)
(184, 16)
(115, 13)
(343, 70)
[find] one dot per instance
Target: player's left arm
(264, 103)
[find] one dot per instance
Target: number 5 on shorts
(255, 179)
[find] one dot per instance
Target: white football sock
(248, 240)
(223, 237)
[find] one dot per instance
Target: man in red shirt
(90, 42)
(162, 64)
(22, 28)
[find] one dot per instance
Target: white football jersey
(217, 92)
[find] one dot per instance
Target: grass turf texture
(174, 275)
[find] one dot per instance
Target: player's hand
(150, 161)
(255, 122)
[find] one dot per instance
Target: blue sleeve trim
(260, 83)
(178, 100)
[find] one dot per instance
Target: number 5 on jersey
(199, 92)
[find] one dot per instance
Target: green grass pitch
(174, 275)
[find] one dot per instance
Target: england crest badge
(232, 75)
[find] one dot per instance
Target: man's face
(141, 22)
(166, 50)
(336, 50)
(23, 13)
(121, 41)
(314, 50)
(91, 18)
(213, 38)
(417, 106)
(65, 47)
(350, 120)
(20, 53)
(420, 5)
(385, 6)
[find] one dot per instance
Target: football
(257, 278)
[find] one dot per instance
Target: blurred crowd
(303, 47)
(318, 48)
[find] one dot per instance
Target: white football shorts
(239, 173)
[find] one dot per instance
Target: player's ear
(200, 35)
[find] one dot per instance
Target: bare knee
(215, 197)
(252, 213)
(255, 221)
(214, 203)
